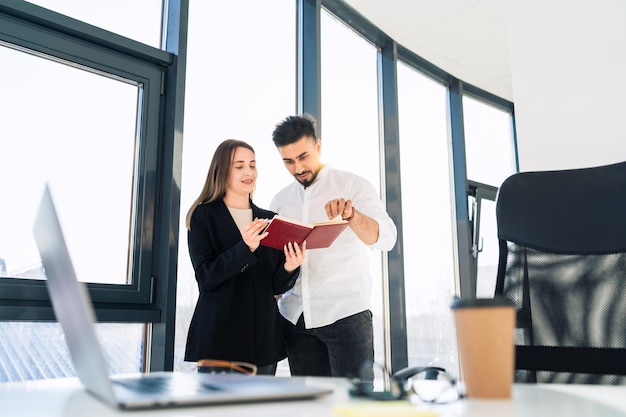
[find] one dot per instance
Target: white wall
(568, 60)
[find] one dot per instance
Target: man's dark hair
(293, 128)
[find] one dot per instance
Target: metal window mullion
(308, 66)
(465, 285)
(396, 347)
(160, 335)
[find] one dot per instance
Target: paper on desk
(382, 409)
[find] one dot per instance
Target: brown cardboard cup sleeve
(485, 338)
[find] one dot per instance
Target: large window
(75, 130)
(239, 87)
(350, 130)
(81, 112)
(427, 219)
(490, 159)
(490, 151)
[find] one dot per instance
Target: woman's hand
(294, 256)
(250, 233)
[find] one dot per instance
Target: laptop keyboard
(156, 384)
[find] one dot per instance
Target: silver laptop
(74, 311)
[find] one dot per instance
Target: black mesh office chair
(562, 261)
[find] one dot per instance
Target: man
(331, 332)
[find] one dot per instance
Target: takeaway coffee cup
(485, 338)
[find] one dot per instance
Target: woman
(236, 317)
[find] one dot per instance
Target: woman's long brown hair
(217, 177)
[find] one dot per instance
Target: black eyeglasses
(430, 384)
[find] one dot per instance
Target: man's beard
(306, 183)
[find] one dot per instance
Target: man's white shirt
(334, 282)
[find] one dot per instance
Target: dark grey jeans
(339, 349)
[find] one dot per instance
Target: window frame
(36, 30)
(391, 53)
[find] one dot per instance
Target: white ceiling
(466, 38)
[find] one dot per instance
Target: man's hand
(362, 225)
(340, 207)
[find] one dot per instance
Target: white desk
(66, 397)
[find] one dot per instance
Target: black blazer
(236, 317)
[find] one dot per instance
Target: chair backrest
(562, 237)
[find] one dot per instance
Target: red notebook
(317, 235)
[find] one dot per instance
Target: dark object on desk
(562, 237)
(404, 384)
